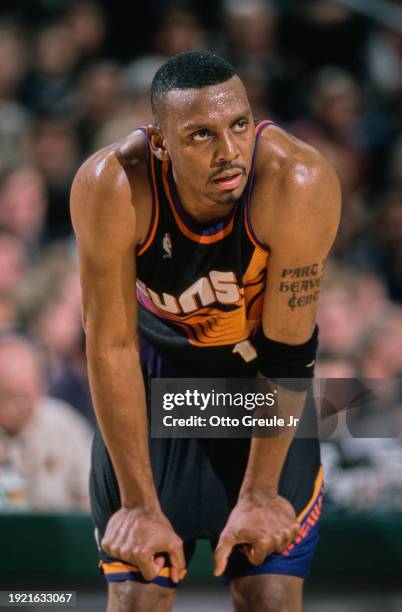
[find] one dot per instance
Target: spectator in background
(381, 349)
(23, 205)
(102, 92)
(51, 146)
(13, 117)
(320, 32)
(13, 262)
(343, 328)
(47, 88)
(332, 366)
(395, 167)
(384, 58)
(13, 272)
(379, 248)
(45, 445)
(180, 30)
(50, 305)
(87, 27)
(8, 313)
(136, 110)
(336, 126)
(389, 233)
(251, 30)
(340, 322)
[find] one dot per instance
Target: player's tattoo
(315, 269)
(303, 300)
(297, 286)
(310, 281)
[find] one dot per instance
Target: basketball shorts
(198, 481)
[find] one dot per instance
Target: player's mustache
(227, 168)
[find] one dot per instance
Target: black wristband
(279, 360)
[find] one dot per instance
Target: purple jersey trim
(139, 246)
(263, 246)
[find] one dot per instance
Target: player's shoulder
(296, 189)
(291, 164)
(112, 168)
(107, 193)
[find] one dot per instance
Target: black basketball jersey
(199, 286)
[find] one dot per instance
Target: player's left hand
(261, 526)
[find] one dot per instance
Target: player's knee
(256, 596)
(131, 596)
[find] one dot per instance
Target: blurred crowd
(74, 77)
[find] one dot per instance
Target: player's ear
(158, 143)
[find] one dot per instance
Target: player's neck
(201, 208)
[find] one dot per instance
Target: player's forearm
(267, 454)
(118, 394)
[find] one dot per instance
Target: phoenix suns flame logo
(218, 286)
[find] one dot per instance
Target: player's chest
(180, 277)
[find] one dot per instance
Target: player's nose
(227, 149)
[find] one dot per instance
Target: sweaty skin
(208, 135)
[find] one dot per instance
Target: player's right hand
(139, 536)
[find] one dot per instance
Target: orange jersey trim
(118, 567)
(317, 486)
(183, 227)
(257, 245)
(310, 515)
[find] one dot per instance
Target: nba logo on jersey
(167, 246)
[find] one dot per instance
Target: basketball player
(201, 240)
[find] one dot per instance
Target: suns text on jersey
(218, 286)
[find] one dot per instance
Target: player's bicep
(291, 298)
(307, 228)
(104, 225)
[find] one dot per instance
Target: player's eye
(241, 125)
(201, 135)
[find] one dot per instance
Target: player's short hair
(188, 70)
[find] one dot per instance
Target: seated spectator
(13, 117)
(382, 348)
(101, 94)
(335, 366)
(13, 261)
(179, 30)
(8, 313)
(383, 248)
(51, 146)
(44, 443)
(336, 126)
(250, 32)
(87, 26)
(50, 307)
(23, 205)
(395, 170)
(340, 323)
(47, 88)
